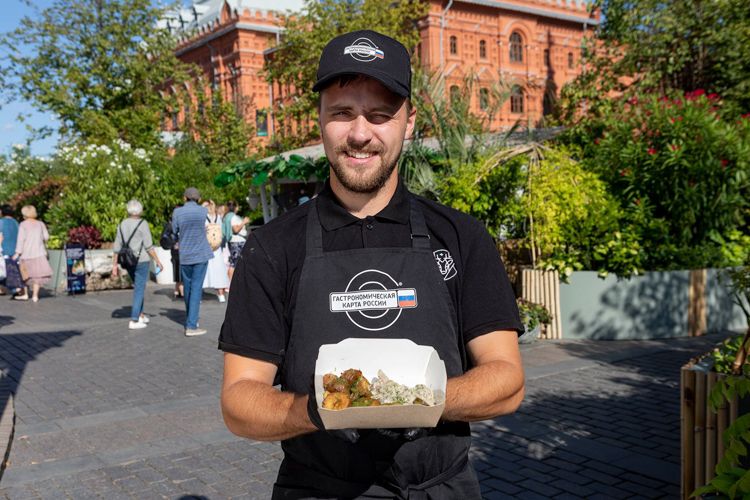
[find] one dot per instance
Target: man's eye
(379, 118)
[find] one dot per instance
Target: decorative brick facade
(534, 44)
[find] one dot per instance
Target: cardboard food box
(402, 361)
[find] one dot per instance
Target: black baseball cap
(368, 53)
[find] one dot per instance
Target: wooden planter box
(701, 429)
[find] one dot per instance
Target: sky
(11, 130)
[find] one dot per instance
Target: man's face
(363, 125)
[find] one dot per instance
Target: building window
(175, 120)
(570, 60)
(484, 99)
(482, 49)
(516, 99)
(455, 94)
(516, 47)
(454, 45)
(546, 57)
(261, 123)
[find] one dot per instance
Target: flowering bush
(87, 236)
(100, 181)
(679, 170)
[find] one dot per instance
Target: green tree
(95, 64)
(651, 45)
(293, 65)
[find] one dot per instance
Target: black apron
(319, 465)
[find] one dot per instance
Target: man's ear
(410, 120)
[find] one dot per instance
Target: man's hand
(115, 270)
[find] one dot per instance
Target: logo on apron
(445, 264)
(373, 300)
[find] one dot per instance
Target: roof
(207, 12)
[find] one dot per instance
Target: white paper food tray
(402, 361)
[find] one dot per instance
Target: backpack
(168, 238)
(214, 234)
(126, 257)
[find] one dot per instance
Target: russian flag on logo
(407, 297)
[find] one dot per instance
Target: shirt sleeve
(254, 324)
(148, 242)
(488, 303)
(21, 238)
(118, 239)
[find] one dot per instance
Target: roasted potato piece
(351, 375)
(361, 388)
(328, 380)
(339, 385)
(336, 401)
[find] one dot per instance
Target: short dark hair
(231, 206)
(6, 209)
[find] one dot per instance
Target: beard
(363, 182)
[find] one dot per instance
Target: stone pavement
(104, 412)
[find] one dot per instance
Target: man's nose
(360, 132)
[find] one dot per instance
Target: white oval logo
(364, 50)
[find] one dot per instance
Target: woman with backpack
(31, 254)
(133, 246)
(216, 274)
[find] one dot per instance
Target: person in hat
(189, 224)
(366, 231)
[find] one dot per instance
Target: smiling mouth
(360, 155)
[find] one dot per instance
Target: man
(189, 224)
(364, 231)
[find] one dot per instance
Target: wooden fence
(543, 287)
(702, 429)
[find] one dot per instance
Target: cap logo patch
(364, 50)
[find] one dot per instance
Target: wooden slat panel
(687, 403)
(711, 431)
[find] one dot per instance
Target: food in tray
(352, 389)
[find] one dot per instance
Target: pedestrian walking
(216, 273)
(134, 233)
(31, 254)
(237, 241)
(189, 224)
(9, 236)
(366, 232)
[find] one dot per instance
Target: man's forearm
(486, 391)
(258, 411)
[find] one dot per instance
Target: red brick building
(534, 45)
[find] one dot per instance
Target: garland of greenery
(261, 171)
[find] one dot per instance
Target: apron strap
(420, 237)
(314, 233)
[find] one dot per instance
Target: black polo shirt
(264, 287)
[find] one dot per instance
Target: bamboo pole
(687, 402)
(699, 430)
(710, 431)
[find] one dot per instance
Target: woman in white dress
(216, 274)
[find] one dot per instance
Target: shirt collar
(334, 216)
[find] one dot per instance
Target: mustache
(344, 148)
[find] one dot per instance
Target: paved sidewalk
(104, 412)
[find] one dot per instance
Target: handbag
(126, 257)
(168, 238)
(23, 270)
(2, 268)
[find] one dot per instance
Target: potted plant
(533, 316)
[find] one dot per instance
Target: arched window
(484, 99)
(454, 45)
(482, 49)
(516, 47)
(516, 99)
(455, 94)
(570, 60)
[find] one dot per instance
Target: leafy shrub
(679, 170)
(88, 236)
(533, 314)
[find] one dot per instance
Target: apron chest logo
(373, 300)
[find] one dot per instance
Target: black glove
(406, 434)
(347, 435)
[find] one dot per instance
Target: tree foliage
(293, 65)
(96, 65)
(654, 45)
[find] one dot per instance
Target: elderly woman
(31, 254)
(135, 233)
